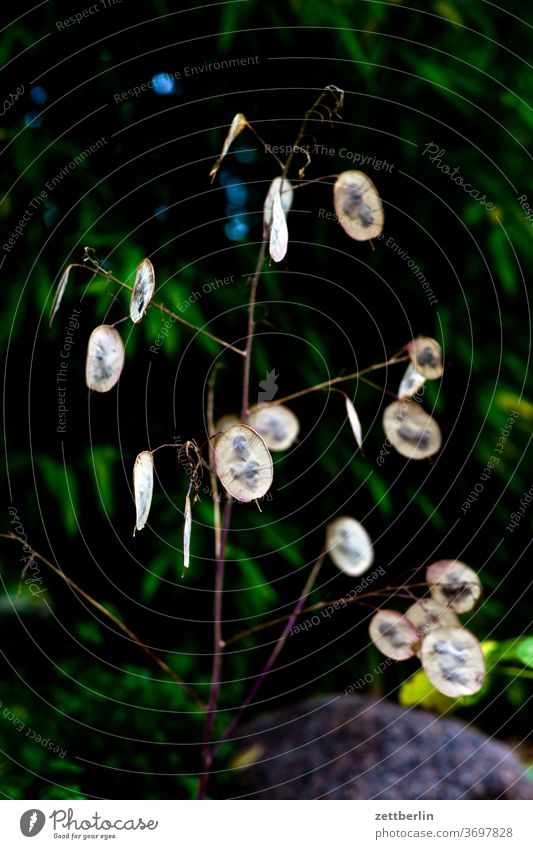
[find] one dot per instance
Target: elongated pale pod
(105, 358)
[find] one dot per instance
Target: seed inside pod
(453, 661)
(393, 634)
(278, 426)
(428, 614)
(426, 357)
(243, 463)
(358, 205)
(411, 431)
(454, 584)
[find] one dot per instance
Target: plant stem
(274, 654)
(97, 269)
(217, 654)
(327, 383)
(250, 337)
(103, 610)
(318, 606)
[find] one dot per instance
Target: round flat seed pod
(412, 382)
(411, 431)
(427, 614)
(349, 546)
(426, 357)
(105, 358)
(393, 634)
(358, 206)
(243, 463)
(453, 584)
(143, 290)
(143, 487)
(278, 426)
(453, 661)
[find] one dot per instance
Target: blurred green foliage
(442, 73)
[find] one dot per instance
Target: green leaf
(418, 691)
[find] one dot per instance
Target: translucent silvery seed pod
(143, 487)
(286, 194)
(412, 382)
(454, 584)
(105, 358)
(278, 426)
(349, 546)
(453, 661)
(427, 614)
(243, 463)
(358, 205)
(426, 357)
(411, 431)
(393, 634)
(143, 290)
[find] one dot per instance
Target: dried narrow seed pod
(187, 525)
(412, 382)
(426, 357)
(105, 358)
(454, 584)
(279, 234)
(393, 634)
(243, 463)
(278, 426)
(286, 194)
(411, 431)
(355, 424)
(349, 546)
(237, 126)
(453, 661)
(143, 487)
(143, 290)
(427, 614)
(358, 205)
(60, 291)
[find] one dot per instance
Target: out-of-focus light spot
(160, 213)
(245, 155)
(236, 191)
(236, 229)
(162, 84)
(39, 95)
(33, 119)
(50, 216)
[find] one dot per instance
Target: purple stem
(273, 656)
(217, 655)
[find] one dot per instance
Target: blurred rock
(357, 747)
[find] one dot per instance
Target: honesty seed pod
(279, 234)
(426, 357)
(411, 431)
(143, 290)
(237, 126)
(358, 206)
(453, 661)
(243, 463)
(427, 614)
(454, 584)
(349, 546)
(105, 358)
(393, 634)
(278, 426)
(60, 291)
(412, 382)
(286, 194)
(143, 487)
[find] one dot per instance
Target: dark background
(453, 74)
